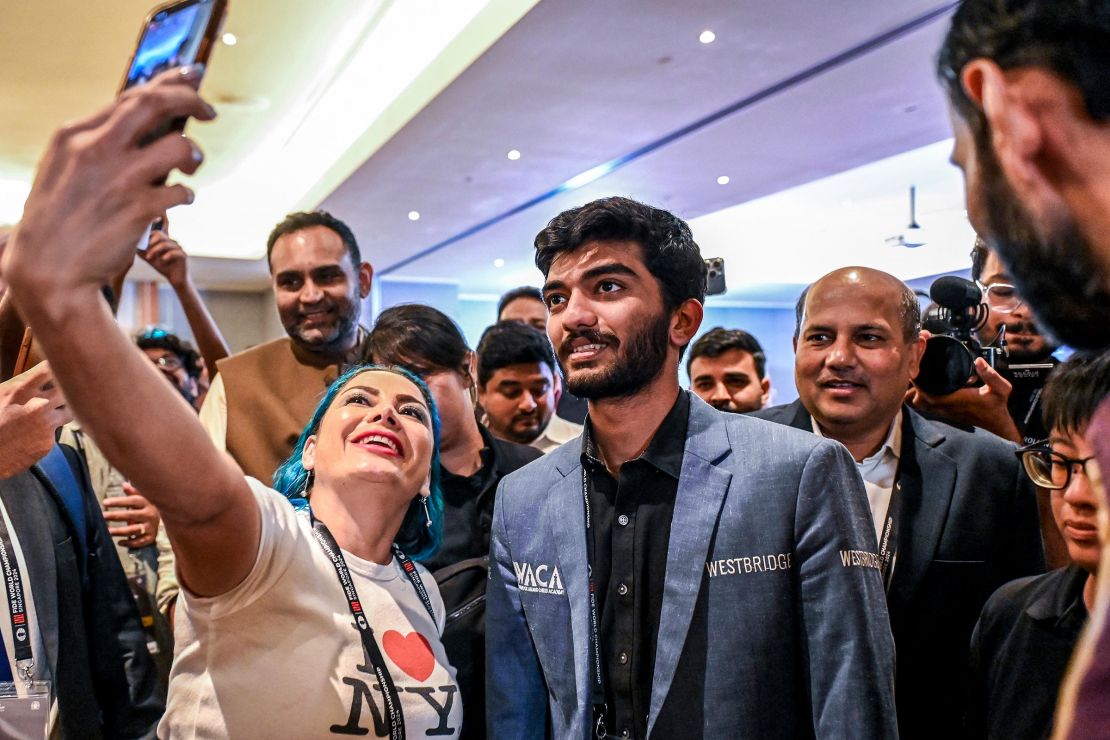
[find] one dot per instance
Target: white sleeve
(213, 413)
(284, 544)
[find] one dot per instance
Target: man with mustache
(519, 387)
(954, 514)
(1028, 87)
(675, 571)
(263, 397)
(728, 370)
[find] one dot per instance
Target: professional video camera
(949, 360)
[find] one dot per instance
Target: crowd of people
(381, 530)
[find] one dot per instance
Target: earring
(307, 485)
(427, 514)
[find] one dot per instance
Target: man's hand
(98, 187)
(983, 406)
(168, 258)
(31, 408)
(139, 519)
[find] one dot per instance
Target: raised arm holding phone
(367, 463)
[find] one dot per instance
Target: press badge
(25, 715)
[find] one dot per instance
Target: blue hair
(415, 538)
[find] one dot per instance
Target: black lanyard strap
(366, 632)
(888, 537)
(597, 678)
(17, 606)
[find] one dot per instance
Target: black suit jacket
(968, 524)
(104, 679)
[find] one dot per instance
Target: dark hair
(1074, 390)
(979, 254)
(524, 291)
(511, 343)
(1070, 38)
(909, 313)
(307, 219)
(416, 538)
(719, 340)
(155, 338)
(419, 337)
(669, 250)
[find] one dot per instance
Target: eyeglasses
(1002, 297)
(168, 362)
(1050, 469)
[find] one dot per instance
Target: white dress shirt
(558, 432)
(878, 471)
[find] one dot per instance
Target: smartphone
(715, 276)
(176, 34)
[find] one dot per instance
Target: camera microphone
(955, 293)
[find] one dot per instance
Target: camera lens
(946, 366)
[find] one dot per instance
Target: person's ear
(365, 279)
(686, 322)
(1016, 131)
(470, 368)
(308, 454)
(765, 397)
(916, 350)
(426, 487)
(557, 382)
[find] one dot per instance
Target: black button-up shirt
(468, 501)
(631, 530)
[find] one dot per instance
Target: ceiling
(432, 94)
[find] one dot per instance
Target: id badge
(25, 717)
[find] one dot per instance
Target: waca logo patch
(540, 579)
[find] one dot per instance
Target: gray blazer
(104, 680)
(969, 524)
(770, 534)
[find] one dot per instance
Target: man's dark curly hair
(669, 250)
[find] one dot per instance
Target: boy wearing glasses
(1029, 627)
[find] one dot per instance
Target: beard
(1055, 268)
(338, 340)
(638, 361)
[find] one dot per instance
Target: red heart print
(411, 653)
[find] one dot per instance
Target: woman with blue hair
(332, 628)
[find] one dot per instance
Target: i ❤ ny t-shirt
(280, 656)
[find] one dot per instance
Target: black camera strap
(366, 632)
(597, 678)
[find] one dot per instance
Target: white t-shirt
(279, 655)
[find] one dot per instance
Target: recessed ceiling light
(414, 215)
(707, 37)
(513, 154)
(499, 262)
(230, 39)
(722, 180)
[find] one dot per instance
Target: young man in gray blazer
(676, 571)
(952, 507)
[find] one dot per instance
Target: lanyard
(888, 540)
(597, 680)
(369, 644)
(17, 606)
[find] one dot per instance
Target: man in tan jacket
(262, 397)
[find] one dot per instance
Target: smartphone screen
(172, 38)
